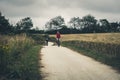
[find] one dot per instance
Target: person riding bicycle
(46, 39)
(58, 36)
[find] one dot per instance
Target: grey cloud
(97, 5)
(112, 6)
(103, 5)
(18, 2)
(23, 8)
(33, 10)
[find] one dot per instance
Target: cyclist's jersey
(58, 35)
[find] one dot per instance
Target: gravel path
(61, 63)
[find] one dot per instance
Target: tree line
(86, 24)
(25, 25)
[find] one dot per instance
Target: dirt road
(61, 63)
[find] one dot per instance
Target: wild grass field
(19, 57)
(95, 37)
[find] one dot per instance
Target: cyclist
(46, 39)
(58, 36)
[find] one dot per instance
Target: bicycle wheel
(58, 42)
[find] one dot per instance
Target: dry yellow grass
(96, 37)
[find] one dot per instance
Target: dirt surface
(61, 63)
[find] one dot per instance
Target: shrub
(39, 39)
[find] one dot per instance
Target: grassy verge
(29, 67)
(109, 59)
(19, 58)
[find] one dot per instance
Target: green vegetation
(30, 64)
(38, 38)
(103, 52)
(24, 25)
(86, 24)
(19, 58)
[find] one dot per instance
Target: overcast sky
(42, 11)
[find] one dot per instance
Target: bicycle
(58, 42)
(46, 42)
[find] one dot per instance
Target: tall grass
(95, 37)
(16, 58)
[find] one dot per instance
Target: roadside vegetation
(20, 46)
(106, 51)
(19, 58)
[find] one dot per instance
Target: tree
(104, 25)
(5, 26)
(89, 23)
(48, 26)
(118, 27)
(75, 23)
(114, 27)
(24, 24)
(55, 23)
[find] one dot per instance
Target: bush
(39, 39)
(52, 39)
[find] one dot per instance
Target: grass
(95, 37)
(29, 67)
(19, 57)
